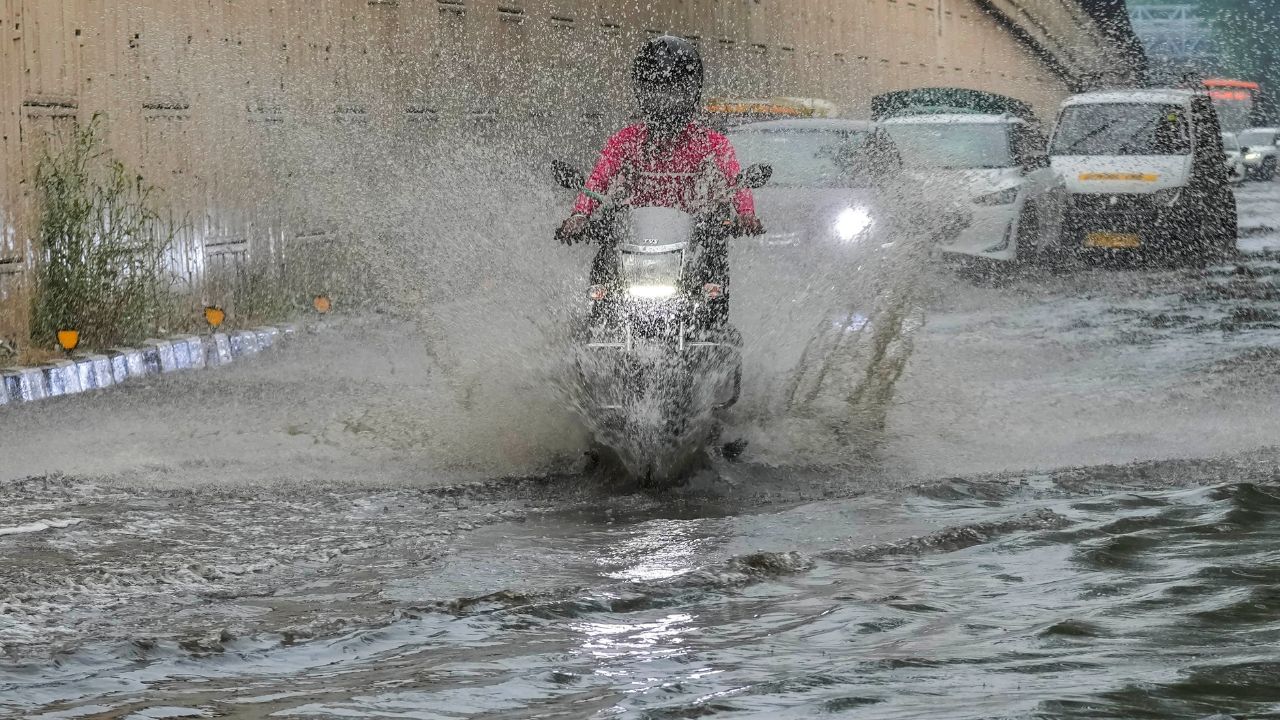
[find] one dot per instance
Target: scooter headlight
(652, 276)
(852, 222)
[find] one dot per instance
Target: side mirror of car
(1035, 161)
(756, 176)
(567, 176)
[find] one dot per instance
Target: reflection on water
(640, 642)
(655, 550)
(1107, 592)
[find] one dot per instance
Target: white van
(1145, 173)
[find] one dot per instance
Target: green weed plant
(103, 238)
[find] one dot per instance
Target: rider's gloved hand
(573, 230)
(750, 225)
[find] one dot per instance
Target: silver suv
(1260, 152)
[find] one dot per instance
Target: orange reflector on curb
(322, 304)
(69, 339)
(215, 316)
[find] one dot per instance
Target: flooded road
(1075, 513)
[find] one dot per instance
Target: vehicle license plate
(1112, 240)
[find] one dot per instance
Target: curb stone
(244, 343)
(218, 350)
(195, 350)
(160, 355)
(103, 375)
(155, 356)
(61, 378)
(25, 384)
(84, 372)
(267, 336)
(128, 363)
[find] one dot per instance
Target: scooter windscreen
(654, 241)
(655, 230)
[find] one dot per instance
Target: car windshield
(1122, 129)
(811, 158)
(1253, 138)
(1229, 142)
(952, 146)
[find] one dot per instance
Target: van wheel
(1028, 252)
(1229, 228)
(1219, 230)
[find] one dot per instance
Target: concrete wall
(193, 90)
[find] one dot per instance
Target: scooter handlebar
(738, 228)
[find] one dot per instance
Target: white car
(827, 184)
(1260, 152)
(999, 166)
(1235, 158)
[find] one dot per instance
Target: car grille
(1109, 204)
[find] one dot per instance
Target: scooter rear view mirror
(567, 176)
(756, 176)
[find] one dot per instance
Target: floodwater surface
(1074, 513)
(1137, 591)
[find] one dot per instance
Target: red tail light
(597, 292)
(713, 291)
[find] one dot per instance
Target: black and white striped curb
(98, 371)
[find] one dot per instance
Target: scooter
(657, 359)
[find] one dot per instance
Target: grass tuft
(102, 244)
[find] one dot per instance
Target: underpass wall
(203, 97)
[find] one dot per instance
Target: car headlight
(1168, 196)
(1253, 156)
(852, 222)
(1000, 197)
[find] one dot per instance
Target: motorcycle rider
(660, 158)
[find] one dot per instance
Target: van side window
(1208, 130)
(1207, 167)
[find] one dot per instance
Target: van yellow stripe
(1130, 177)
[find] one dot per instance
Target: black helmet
(667, 75)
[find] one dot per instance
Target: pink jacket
(628, 150)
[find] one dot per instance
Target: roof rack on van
(948, 100)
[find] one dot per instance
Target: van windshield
(1122, 129)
